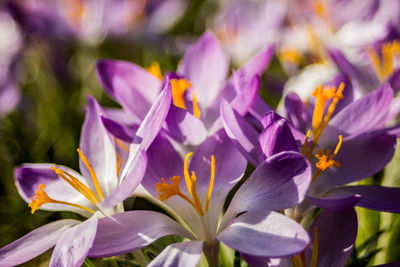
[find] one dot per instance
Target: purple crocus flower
(197, 89)
(195, 193)
(97, 192)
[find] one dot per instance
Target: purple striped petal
(242, 133)
(179, 255)
(265, 234)
(335, 202)
(206, 66)
(296, 112)
(99, 149)
(184, 127)
(278, 183)
(74, 244)
(130, 85)
(373, 197)
(337, 231)
(128, 231)
(34, 243)
(118, 130)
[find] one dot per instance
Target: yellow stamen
(196, 110)
(376, 63)
(179, 87)
(385, 65)
(314, 256)
(92, 173)
(42, 198)
(210, 187)
(77, 185)
(155, 70)
(304, 149)
(326, 160)
(75, 10)
(168, 190)
(290, 56)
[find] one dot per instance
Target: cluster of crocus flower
(226, 169)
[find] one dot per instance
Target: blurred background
(48, 49)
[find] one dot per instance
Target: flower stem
(140, 258)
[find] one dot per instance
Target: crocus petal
(373, 197)
(74, 244)
(149, 128)
(278, 183)
(362, 115)
(258, 63)
(34, 243)
(130, 85)
(255, 261)
(296, 111)
(277, 137)
(99, 149)
(184, 127)
(179, 255)
(28, 177)
(360, 156)
(120, 131)
(128, 231)
(206, 66)
(271, 118)
(242, 133)
(266, 234)
(337, 231)
(335, 202)
(130, 183)
(245, 99)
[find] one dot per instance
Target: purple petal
(266, 234)
(206, 66)
(362, 115)
(272, 117)
(296, 111)
(259, 108)
(245, 99)
(128, 231)
(337, 231)
(34, 243)
(360, 156)
(242, 133)
(120, 131)
(179, 255)
(278, 183)
(28, 177)
(9, 97)
(130, 183)
(74, 244)
(374, 197)
(99, 149)
(184, 127)
(258, 63)
(277, 137)
(130, 85)
(335, 202)
(254, 261)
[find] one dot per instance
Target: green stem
(140, 258)
(212, 253)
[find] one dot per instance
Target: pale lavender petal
(337, 231)
(258, 63)
(206, 66)
(9, 97)
(337, 202)
(130, 183)
(360, 157)
(34, 243)
(259, 107)
(130, 85)
(179, 255)
(265, 233)
(99, 149)
(242, 133)
(184, 127)
(277, 137)
(128, 231)
(278, 183)
(245, 99)
(374, 197)
(28, 177)
(364, 114)
(73, 246)
(121, 116)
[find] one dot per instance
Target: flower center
(42, 198)
(389, 60)
(167, 190)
